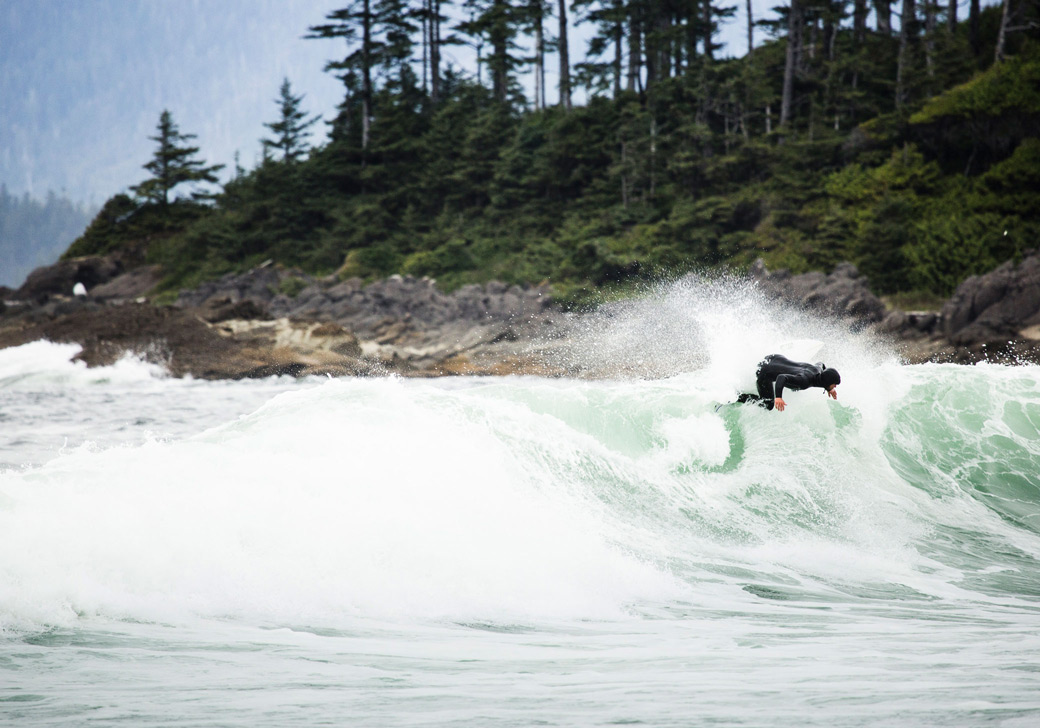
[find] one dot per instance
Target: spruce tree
(174, 164)
(497, 23)
(354, 23)
(290, 131)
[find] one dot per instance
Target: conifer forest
(903, 137)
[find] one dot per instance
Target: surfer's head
(829, 378)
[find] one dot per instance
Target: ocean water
(526, 551)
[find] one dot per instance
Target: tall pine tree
(174, 164)
(290, 131)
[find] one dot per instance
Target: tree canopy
(831, 140)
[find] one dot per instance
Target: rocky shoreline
(271, 320)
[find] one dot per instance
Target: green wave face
(969, 438)
(916, 476)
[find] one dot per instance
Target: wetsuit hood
(829, 377)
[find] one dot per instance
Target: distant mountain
(35, 233)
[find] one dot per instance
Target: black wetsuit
(777, 373)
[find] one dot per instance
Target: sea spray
(720, 325)
(507, 551)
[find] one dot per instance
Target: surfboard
(801, 349)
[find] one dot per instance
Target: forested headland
(903, 138)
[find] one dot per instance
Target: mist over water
(520, 550)
(717, 325)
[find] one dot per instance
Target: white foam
(368, 498)
(45, 363)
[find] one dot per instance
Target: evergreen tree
(290, 131)
(355, 24)
(497, 23)
(174, 164)
(609, 17)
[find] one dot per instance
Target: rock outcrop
(186, 345)
(271, 320)
(60, 279)
(843, 293)
(994, 317)
(406, 324)
(997, 306)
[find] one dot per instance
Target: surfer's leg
(748, 398)
(765, 392)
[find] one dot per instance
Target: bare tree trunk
(435, 51)
(859, 20)
(565, 61)
(651, 56)
(794, 37)
(750, 30)
(707, 29)
(635, 62)
(624, 175)
(539, 55)
(618, 33)
(664, 49)
(653, 156)
(974, 37)
(425, 45)
(951, 16)
(907, 28)
(1005, 17)
(883, 10)
(366, 74)
(930, 9)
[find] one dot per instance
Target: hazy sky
(82, 82)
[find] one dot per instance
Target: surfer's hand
(833, 392)
(779, 404)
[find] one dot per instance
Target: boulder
(995, 306)
(129, 285)
(60, 278)
(843, 293)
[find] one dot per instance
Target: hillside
(912, 154)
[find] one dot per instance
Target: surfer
(777, 373)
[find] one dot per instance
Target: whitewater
(524, 551)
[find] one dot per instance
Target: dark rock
(217, 309)
(995, 306)
(60, 278)
(843, 293)
(259, 284)
(130, 285)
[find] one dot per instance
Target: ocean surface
(525, 551)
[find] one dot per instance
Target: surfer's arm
(793, 381)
